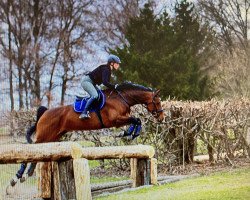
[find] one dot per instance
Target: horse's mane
(133, 86)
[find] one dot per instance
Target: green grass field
(234, 184)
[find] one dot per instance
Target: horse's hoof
(23, 179)
(13, 182)
(135, 136)
(125, 134)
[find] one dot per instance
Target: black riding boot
(85, 113)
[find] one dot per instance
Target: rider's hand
(116, 86)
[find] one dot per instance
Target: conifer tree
(163, 52)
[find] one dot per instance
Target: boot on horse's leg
(129, 131)
(137, 129)
(29, 173)
(85, 113)
(31, 169)
(19, 175)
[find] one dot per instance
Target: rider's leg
(88, 86)
(85, 113)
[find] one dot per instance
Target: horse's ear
(157, 92)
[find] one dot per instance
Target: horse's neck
(137, 97)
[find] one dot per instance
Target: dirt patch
(20, 192)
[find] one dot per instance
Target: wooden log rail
(17, 153)
(64, 172)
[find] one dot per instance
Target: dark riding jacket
(101, 75)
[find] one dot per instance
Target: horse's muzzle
(160, 116)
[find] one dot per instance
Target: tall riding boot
(85, 113)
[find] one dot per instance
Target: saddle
(96, 106)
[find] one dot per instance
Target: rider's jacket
(101, 75)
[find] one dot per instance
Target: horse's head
(154, 106)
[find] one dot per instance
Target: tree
(46, 40)
(75, 30)
(25, 24)
(112, 17)
(5, 14)
(230, 19)
(164, 52)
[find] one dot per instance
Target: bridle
(155, 112)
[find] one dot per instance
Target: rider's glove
(116, 86)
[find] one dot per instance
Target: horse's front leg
(135, 125)
(137, 129)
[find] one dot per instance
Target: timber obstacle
(63, 166)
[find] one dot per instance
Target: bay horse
(52, 123)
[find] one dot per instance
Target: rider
(100, 75)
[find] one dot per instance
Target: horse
(52, 123)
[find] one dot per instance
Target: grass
(218, 186)
(3, 131)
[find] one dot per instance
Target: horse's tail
(40, 111)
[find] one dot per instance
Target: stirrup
(84, 115)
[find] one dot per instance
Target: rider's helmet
(114, 58)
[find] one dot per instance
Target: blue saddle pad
(98, 104)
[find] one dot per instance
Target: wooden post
(56, 180)
(82, 179)
(56, 186)
(132, 170)
(140, 172)
(66, 180)
(44, 180)
(71, 180)
(153, 171)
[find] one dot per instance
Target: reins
(122, 97)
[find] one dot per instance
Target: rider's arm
(106, 79)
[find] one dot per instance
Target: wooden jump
(64, 171)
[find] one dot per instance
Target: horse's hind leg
(31, 169)
(19, 174)
(29, 173)
(32, 166)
